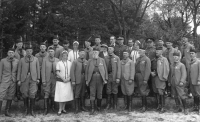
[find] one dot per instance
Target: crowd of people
(62, 74)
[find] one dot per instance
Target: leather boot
(158, 102)
(53, 104)
(26, 105)
(162, 103)
(108, 102)
(125, 102)
(144, 101)
(46, 106)
(178, 107)
(195, 104)
(8, 105)
(32, 105)
(0, 105)
(99, 104)
(130, 103)
(198, 107)
(115, 101)
(83, 104)
(92, 107)
(185, 106)
(76, 105)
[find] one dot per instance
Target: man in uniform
(142, 72)
(159, 78)
(28, 76)
(88, 49)
(113, 41)
(114, 73)
(120, 48)
(160, 44)
(74, 54)
(127, 78)
(8, 72)
(97, 40)
(104, 51)
(96, 77)
(130, 45)
(77, 74)
(41, 55)
(178, 82)
(56, 46)
(65, 48)
(194, 76)
(48, 79)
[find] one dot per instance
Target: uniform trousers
(49, 89)
(127, 88)
(158, 85)
(142, 87)
(195, 90)
(112, 86)
(80, 88)
(7, 90)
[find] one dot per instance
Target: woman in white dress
(64, 90)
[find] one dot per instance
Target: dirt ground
(105, 116)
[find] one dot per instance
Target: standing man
(114, 74)
(56, 46)
(159, 78)
(127, 78)
(96, 77)
(97, 45)
(179, 82)
(130, 45)
(48, 79)
(41, 55)
(65, 48)
(113, 41)
(194, 76)
(74, 54)
(104, 51)
(88, 49)
(120, 48)
(160, 44)
(28, 76)
(142, 72)
(78, 80)
(8, 73)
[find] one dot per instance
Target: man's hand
(181, 83)
(44, 84)
(19, 83)
(38, 81)
(130, 81)
(145, 82)
(105, 82)
(198, 83)
(169, 84)
(117, 80)
(153, 74)
(87, 83)
(73, 83)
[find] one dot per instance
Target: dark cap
(42, 43)
(29, 47)
(149, 40)
(126, 51)
(19, 40)
(65, 42)
(11, 49)
(95, 49)
(50, 48)
(55, 37)
(81, 49)
(97, 36)
(176, 53)
(120, 38)
(104, 45)
(193, 50)
(159, 48)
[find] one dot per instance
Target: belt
(96, 73)
(110, 73)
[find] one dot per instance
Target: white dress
(63, 91)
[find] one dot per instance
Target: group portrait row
(62, 74)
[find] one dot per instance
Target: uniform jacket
(73, 55)
(60, 52)
(41, 57)
(162, 68)
(179, 73)
(127, 69)
(145, 66)
(57, 50)
(185, 51)
(19, 55)
(119, 49)
(150, 52)
(102, 69)
(168, 53)
(47, 67)
(116, 66)
(195, 71)
(88, 52)
(23, 69)
(97, 46)
(76, 69)
(5, 70)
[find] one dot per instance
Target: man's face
(97, 41)
(192, 55)
(66, 46)
(158, 53)
(87, 44)
(110, 50)
(43, 48)
(11, 54)
(136, 46)
(121, 42)
(176, 58)
(51, 53)
(19, 45)
(75, 46)
(125, 55)
(150, 44)
(185, 41)
(168, 44)
(82, 54)
(160, 43)
(130, 43)
(64, 55)
(29, 51)
(95, 54)
(141, 52)
(112, 40)
(55, 41)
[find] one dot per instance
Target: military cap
(11, 49)
(81, 49)
(104, 45)
(176, 53)
(120, 38)
(56, 37)
(193, 50)
(97, 36)
(29, 47)
(76, 42)
(149, 40)
(50, 48)
(43, 43)
(96, 49)
(159, 48)
(65, 42)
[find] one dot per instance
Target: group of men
(133, 69)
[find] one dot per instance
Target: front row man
(8, 72)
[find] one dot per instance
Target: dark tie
(110, 65)
(29, 64)
(11, 65)
(82, 70)
(52, 68)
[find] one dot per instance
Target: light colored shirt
(134, 55)
(73, 55)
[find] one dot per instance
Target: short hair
(113, 36)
